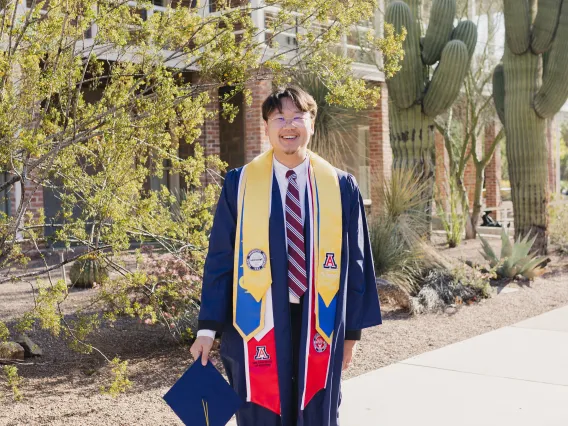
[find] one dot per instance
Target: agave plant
(515, 258)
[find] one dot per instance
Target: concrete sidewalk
(516, 375)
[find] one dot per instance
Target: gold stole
(254, 194)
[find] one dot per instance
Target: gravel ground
(62, 387)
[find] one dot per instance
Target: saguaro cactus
(530, 86)
(415, 98)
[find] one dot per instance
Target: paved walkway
(515, 376)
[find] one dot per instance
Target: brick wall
(442, 190)
(33, 194)
(209, 138)
(380, 151)
(492, 171)
(469, 181)
(211, 129)
(256, 142)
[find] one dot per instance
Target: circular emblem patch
(256, 259)
(320, 344)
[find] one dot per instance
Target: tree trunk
(526, 148)
(413, 147)
(465, 207)
(474, 218)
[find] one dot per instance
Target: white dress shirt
(280, 171)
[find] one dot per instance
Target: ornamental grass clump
(395, 232)
(426, 281)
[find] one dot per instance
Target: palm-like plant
(335, 133)
(515, 259)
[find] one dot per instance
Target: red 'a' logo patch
(261, 354)
(330, 261)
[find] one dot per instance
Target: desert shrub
(165, 289)
(558, 229)
(395, 232)
(450, 212)
(395, 260)
(442, 287)
(13, 381)
(4, 332)
(404, 259)
(515, 258)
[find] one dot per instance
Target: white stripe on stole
(268, 313)
(310, 283)
(237, 244)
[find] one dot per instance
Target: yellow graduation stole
(252, 273)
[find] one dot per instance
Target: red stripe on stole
(318, 359)
(319, 351)
(263, 372)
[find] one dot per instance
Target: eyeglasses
(280, 122)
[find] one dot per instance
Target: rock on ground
(11, 351)
(30, 348)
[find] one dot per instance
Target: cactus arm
(439, 30)
(416, 11)
(554, 90)
(447, 79)
(517, 25)
(499, 91)
(466, 31)
(545, 25)
(404, 88)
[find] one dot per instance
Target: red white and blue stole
(252, 296)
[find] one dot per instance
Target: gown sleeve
(363, 308)
(217, 289)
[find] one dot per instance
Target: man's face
(289, 131)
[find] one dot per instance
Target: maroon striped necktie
(297, 279)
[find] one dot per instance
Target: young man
(289, 277)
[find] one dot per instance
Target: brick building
(239, 142)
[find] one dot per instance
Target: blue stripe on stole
(327, 315)
(248, 310)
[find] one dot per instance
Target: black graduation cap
(202, 397)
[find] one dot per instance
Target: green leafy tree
(96, 98)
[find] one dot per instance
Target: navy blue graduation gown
(357, 306)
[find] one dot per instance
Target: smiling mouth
(289, 137)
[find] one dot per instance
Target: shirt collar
(280, 169)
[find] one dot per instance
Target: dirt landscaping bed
(63, 387)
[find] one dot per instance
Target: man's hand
(202, 346)
(348, 351)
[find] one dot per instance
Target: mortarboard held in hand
(202, 397)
